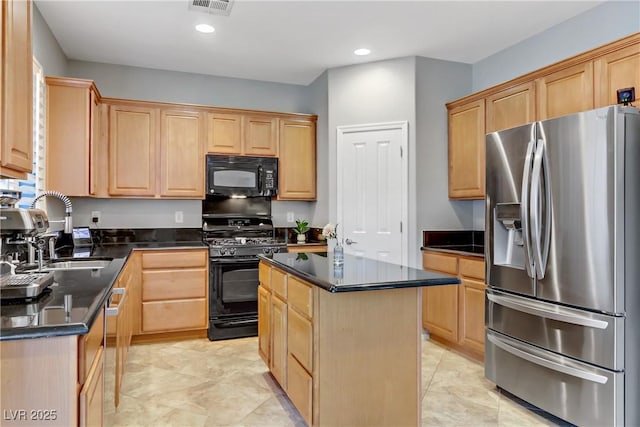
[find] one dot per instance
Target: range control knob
(266, 251)
(231, 251)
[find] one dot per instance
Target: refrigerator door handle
(539, 182)
(558, 314)
(524, 209)
(550, 364)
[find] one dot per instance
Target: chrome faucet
(68, 223)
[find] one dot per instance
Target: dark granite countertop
(457, 242)
(356, 274)
(88, 289)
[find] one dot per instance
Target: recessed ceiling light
(362, 51)
(205, 28)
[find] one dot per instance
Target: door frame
(403, 126)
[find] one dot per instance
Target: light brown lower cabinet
(55, 381)
(92, 394)
(174, 290)
(323, 351)
(454, 315)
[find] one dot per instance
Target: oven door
(233, 297)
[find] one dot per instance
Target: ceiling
(294, 41)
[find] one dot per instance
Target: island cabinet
(174, 291)
(76, 138)
(455, 315)
(330, 351)
(16, 90)
(76, 363)
(242, 134)
(579, 83)
(297, 159)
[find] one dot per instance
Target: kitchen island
(344, 342)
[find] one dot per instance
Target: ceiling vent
(216, 7)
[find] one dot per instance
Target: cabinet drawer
(439, 262)
(300, 388)
(300, 296)
(264, 275)
(300, 339)
(88, 347)
(472, 268)
(173, 284)
(279, 283)
(174, 259)
(174, 315)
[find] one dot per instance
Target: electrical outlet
(179, 217)
(290, 217)
(95, 217)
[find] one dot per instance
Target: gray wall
(46, 48)
(601, 25)
(374, 92)
(437, 82)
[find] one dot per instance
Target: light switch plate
(179, 217)
(290, 217)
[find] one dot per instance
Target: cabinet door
(260, 136)
(300, 389)
(279, 340)
(224, 133)
(17, 89)
(174, 315)
(92, 395)
(297, 160)
(616, 70)
(440, 303)
(565, 92)
(264, 333)
(472, 315)
(132, 150)
(182, 154)
(466, 151)
(511, 107)
(71, 106)
(440, 311)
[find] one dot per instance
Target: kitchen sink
(77, 264)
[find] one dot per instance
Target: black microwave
(237, 176)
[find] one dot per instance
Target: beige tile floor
(225, 383)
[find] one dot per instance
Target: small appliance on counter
(19, 230)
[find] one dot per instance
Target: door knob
(349, 242)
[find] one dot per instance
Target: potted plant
(301, 229)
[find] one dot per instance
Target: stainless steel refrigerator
(563, 265)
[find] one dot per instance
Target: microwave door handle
(260, 179)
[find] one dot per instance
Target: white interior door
(372, 190)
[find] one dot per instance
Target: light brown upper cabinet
(297, 160)
(132, 150)
(75, 140)
(182, 154)
(224, 133)
(579, 83)
(242, 134)
(16, 90)
(616, 70)
(565, 92)
(466, 150)
(511, 107)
